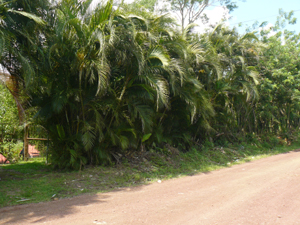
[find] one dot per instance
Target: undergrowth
(34, 181)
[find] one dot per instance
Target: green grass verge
(33, 181)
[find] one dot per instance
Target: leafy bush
(11, 151)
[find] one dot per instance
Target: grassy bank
(33, 181)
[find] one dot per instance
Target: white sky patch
(162, 5)
(4, 74)
(267, 28)
(94, 4)
(215, 15)
(3, 70)
(129, 1)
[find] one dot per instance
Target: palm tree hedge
(106, 80)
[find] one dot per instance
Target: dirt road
(265, 191)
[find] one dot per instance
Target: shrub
(11, 151)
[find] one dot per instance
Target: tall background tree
(186, 11)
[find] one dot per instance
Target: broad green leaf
(146, 137)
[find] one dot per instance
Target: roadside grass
(34, 181)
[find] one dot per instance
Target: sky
(264, 10)
(250, 11)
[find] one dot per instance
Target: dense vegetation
(106, 81)
(9, 126)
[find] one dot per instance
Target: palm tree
(17, 27)
(71, 71)
(233, 88)
(13, 31)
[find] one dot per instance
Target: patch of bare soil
(265, 191)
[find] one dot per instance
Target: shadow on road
(47, 211)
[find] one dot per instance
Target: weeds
(34, 181)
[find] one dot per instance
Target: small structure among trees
(32, 151)
(3, 160)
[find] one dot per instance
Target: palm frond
(28, 15)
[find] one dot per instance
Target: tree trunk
(26, 156)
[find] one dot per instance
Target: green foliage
(278, 108)
(11, 151)
(104, 81)
(114, 95)
(146, 137)
(9, 120)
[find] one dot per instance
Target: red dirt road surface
(265, 191)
